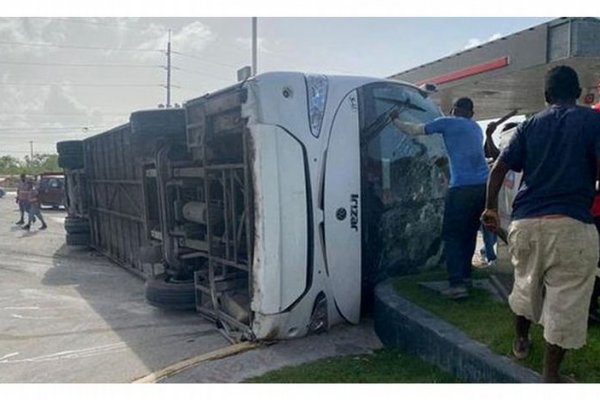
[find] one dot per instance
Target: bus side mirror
(429, 88)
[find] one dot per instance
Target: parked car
(52, 189)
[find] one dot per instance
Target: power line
(80, 84)
(79, 21)
(67, 119)
(35, 114)
(49, 137)
(266, 53)
(4, 151)
(205, 60)
(203, 74)
(2, 42)
(190, 90)
(51, 128)
(80, 65)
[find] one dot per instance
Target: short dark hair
(561, 84)
(464, 103)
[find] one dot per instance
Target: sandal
(521, 348)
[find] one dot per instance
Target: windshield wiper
(405, 103)
(383, 119)
(378, 124)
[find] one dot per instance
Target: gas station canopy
(508, 73)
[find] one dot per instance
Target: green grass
(480, 316)
(491, 323)
(382, 366)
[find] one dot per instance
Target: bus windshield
(403, 182)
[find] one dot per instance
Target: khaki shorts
(555, 264)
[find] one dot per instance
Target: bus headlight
(316, 87)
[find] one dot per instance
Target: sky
(68, 78)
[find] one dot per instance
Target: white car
(510, 186)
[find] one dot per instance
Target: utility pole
(254, 46)
(168, 105)
(31, 149)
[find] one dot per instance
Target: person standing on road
(22, 198)
(466, 195)
(34, 207)
(552, 240)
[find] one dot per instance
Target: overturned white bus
(274, 206)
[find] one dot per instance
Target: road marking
(80, 353)
(190, 362)
(8, 356)
(21, 308)
(18, 316)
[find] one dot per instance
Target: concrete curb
(401, 324)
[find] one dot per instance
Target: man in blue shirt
(552, 240)
(465, 199)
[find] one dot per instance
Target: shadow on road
(157, 338)
(52, 210)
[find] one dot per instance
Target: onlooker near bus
(487, 252)
(553, 243)
(466, 196)
(34, 207)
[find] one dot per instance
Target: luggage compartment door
(341, 204)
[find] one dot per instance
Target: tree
(10, 165)
(35, 165)
(41, 163)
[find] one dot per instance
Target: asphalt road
(69, 315)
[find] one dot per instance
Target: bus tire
(165, 123)
(77, 225)
(70, 161)
(70, 147)
(167, 294)
(78, 239)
